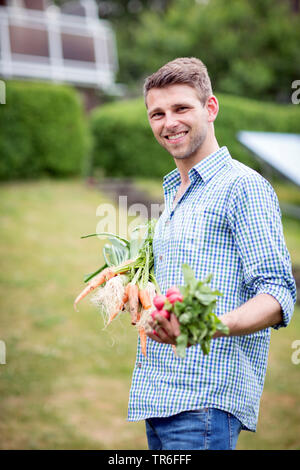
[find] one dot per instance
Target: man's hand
(166, 330)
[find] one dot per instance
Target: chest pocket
(203, 233)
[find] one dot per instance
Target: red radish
(175, 298)
(159, 301)
(155, 312)
(173, 290)
(164, 313)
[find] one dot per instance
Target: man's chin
(177, 153)
(180, 155)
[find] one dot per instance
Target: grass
(66, 381)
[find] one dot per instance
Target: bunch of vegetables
(126, 282)
(193, 306)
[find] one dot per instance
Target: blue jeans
(203, 429)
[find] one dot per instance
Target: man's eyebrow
(155, 110)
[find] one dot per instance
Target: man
(220, 217)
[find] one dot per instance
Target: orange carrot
(120, 306)
(102, 277)
(143, 339)
(133, 298)
(144, 298)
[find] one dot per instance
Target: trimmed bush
(125, 146)
(42, 131)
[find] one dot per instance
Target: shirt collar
(206, 168)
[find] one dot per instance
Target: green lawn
(65, 383)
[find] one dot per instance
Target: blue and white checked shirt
(227, 223)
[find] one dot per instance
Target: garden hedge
(124, 144)
(42, 131)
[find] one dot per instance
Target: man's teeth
(176, 136)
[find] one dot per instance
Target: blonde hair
(184, 70)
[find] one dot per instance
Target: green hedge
(124, 144)
(42, 131)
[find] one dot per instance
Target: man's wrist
(227, 321)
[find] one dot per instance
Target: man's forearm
(258, 313)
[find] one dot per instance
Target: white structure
(70, 44)
(280, 151)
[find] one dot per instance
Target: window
(78, 47)
(29, 41)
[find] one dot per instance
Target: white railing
(100, 73)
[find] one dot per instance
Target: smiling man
(220, 217)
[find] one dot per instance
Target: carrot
(144, 298)
(133, 298)
(102, 277)
(118, 309)
(143, 339)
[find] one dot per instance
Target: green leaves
(140, 251)
(197, 321)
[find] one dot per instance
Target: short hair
(183, 70)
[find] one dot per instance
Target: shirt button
(160, 258)
(139, 365)
(167, 222)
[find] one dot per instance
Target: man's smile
(176, 138)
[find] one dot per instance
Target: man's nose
(171, 121)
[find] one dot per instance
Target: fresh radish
(159, 301)
(173, 290)
(164, 313)
(155, 312)
(175, 298)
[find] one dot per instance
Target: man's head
(181, 108)
(184, 70)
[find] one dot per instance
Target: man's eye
(156, 115)
(182, 108)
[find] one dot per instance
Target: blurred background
(73, 135)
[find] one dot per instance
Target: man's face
(178, 119)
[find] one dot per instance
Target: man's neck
(185, 164)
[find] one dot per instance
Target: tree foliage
(250, 48)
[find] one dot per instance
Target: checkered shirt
(228, 222)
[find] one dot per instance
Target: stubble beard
(195, 144)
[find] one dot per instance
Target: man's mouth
(175, 138)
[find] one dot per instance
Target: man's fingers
(175, 324)
(165, 324)
(166, 331)
(155, 337)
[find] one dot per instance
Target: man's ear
(212, 106)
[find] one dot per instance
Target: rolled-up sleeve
(255, 219)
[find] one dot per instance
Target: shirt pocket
(214, 231)
(204, 233)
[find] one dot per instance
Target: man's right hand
(163, 330)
